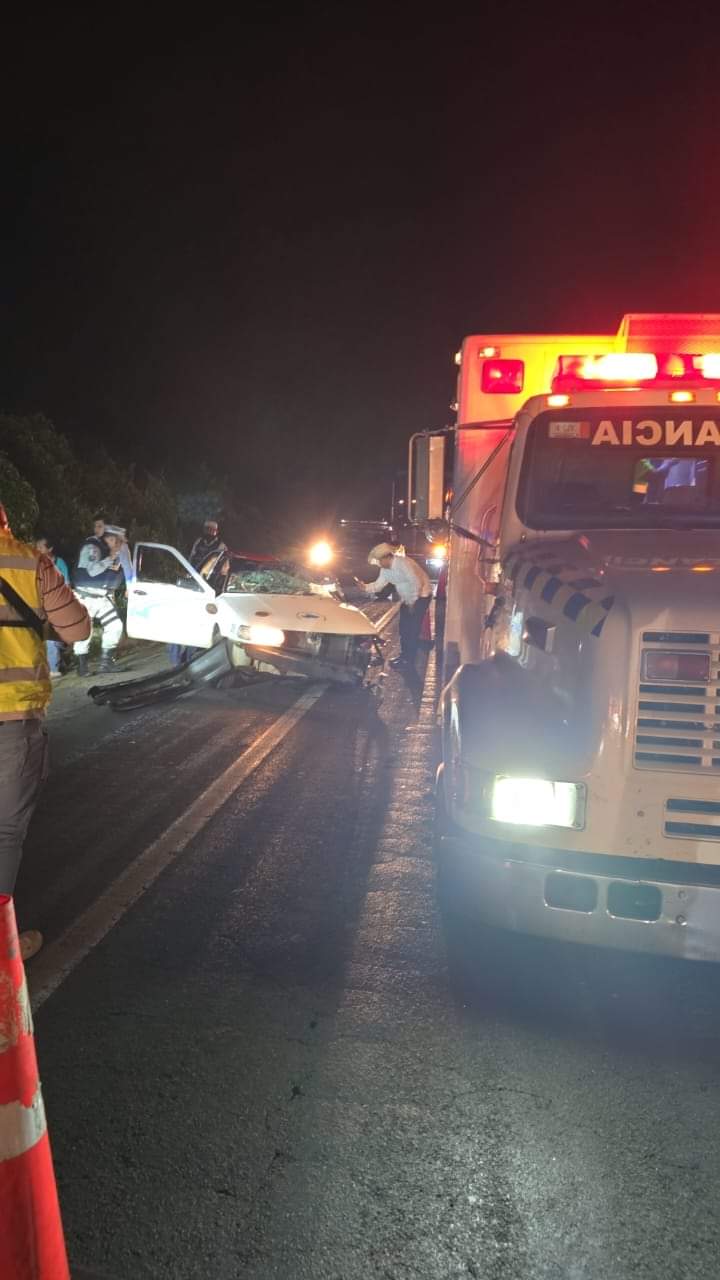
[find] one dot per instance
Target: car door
(168, 600)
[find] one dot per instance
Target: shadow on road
(667, 1008)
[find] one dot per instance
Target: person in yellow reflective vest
(32, 592)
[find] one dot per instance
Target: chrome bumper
(523, 896)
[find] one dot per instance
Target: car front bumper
(305, 666)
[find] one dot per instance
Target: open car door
(168, 600)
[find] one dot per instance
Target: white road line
(61, 957)
(388, 617)
(58, 960)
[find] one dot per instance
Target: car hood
(299, 613)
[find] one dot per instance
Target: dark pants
(411, 618)
(23, 769)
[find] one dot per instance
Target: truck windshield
(645, 469)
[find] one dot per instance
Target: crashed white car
(273, 618)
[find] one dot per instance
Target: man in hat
(414, 589)
(98, 575)
(32, 593)
(207, 544)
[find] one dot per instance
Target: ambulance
(578, 794)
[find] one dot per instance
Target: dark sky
(259, 240)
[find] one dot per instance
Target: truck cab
(579, 786)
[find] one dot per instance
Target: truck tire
(442, 825)
(453, 879)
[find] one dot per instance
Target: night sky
(259, 240)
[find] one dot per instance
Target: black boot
(82, 664)
(107, 662)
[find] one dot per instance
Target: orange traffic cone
(32, 1246)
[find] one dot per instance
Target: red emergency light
(627, 369)
(503, 377)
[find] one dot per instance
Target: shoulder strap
(29, 616)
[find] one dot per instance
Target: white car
(274, 619)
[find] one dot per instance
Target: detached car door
(168, 600)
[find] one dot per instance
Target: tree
(18, 499)
(45, 461)
(142, 503)
(53, 489)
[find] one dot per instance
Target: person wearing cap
(207, 544)
(98, 575)
(414, 589)
(32, 593)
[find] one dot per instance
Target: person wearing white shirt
(414, 589)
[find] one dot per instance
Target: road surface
(271, 1049)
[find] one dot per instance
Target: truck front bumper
(588, 902)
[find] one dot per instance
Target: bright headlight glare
(271, 637)
(320, 554)
(536, 802)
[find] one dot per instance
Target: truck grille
(677, 725)
(692, 819)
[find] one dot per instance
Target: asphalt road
(291, 1058)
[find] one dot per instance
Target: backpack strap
(28, 615)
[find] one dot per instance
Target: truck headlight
(320, 554)
(259, 633)
(538, 802)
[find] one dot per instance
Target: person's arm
(377, 585)
(96, 567)
(93, 567)
(125, 561)
(66, 615)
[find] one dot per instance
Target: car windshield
(590, 470)
(266, 577)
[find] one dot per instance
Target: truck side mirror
(426, 478)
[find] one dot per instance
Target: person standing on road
(207, 544)
(54, 647)
(33, 593)
(98, 576)
(414, 589)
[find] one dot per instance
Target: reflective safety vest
(24, 676)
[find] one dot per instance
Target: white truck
(578, 793)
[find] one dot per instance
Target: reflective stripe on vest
(24, 676)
